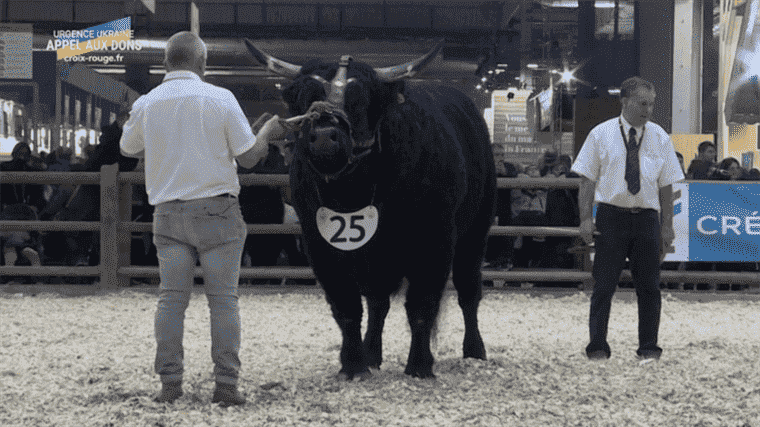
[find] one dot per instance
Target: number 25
(336, 238)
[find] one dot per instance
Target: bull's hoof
(475, 354)
(420, 373)
(474, 348)
(358, 376)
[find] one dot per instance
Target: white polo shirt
(191, 132)
(602, 160)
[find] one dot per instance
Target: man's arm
(666, 206)
(586, 198)
(138, 155)
(131, 135)
(271, 133)
(667, 235)
(586, 209)
(252, 157)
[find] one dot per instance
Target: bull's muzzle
(330, 148)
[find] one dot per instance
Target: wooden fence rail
(116, 226)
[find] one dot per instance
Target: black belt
(226, 195)
(627, 210)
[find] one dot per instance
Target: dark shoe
(32, 255)
(598, 355)
(169, 392)
(227, 395)
(648, 354)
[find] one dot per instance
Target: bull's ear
(289, 94)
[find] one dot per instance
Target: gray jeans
(211, 230)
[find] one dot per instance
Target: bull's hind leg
(423, 300)
(467, 281)
(377, 310)
(347, 312)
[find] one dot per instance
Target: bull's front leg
(377, 308)
(347, 312)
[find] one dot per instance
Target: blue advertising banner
(723, 222)
(716, 221)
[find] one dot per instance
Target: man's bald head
(185, 51)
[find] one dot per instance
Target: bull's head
(341, 105)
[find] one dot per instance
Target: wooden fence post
(113, 254)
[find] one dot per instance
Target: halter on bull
(334, 145)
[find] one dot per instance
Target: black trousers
(637, 237)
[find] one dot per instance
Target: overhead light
(604, 4)
(502, 65)
(154, 44)
(483, 79)
(533, 66)
(478, 87)
(567, 76)
(109, 70)
(563, 3)
(613, 91)
(490, 71)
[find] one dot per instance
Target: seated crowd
(71, 202)
(267, 205)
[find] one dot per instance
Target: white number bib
(347, 231)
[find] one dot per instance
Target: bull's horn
(274, 65)
(409, 69)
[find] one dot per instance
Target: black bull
(389, 181)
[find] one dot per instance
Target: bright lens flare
(567, 76)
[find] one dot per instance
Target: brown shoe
(169, 392)
(227, 395)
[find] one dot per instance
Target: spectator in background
(680, 162)
(59, 193)
(547, 161)
(529, 209)
(20, 202)
(702, 167)
(562, 166)
(729, 169)
(263, 205)
(561, 211)
(107, 152)
(500, 249)
(22, 160)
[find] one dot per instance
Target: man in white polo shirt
(190, 133)
(628, 166)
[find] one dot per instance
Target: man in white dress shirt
(628, 166)
(190, 133)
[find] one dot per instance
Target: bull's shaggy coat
(431, 177)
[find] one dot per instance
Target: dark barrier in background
(115, 228)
